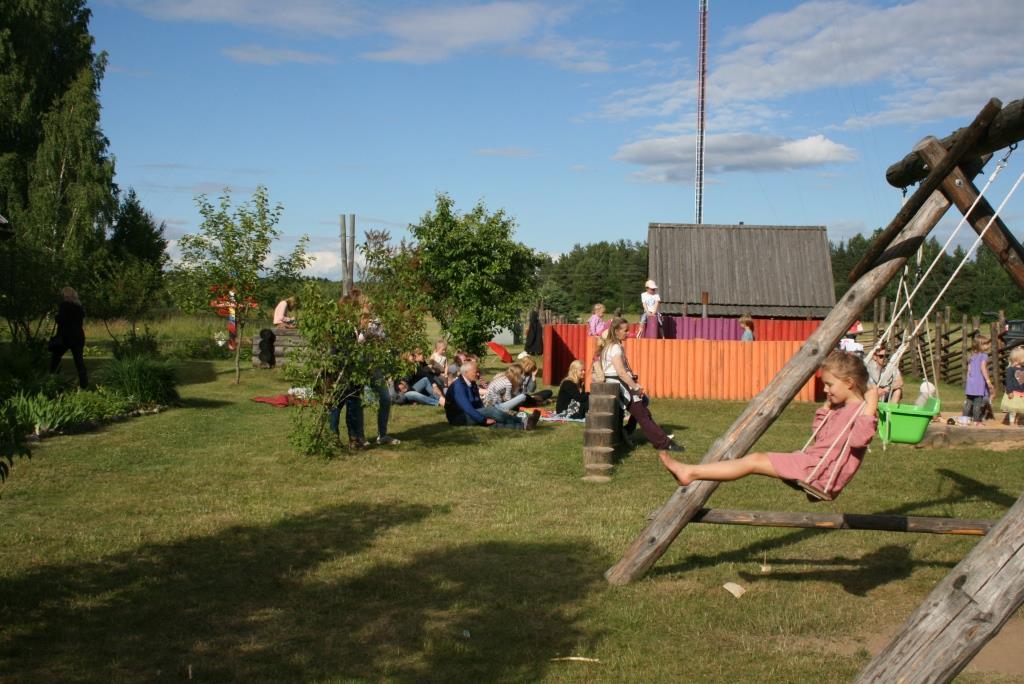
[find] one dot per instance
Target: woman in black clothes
(70, 334)
(571, 395)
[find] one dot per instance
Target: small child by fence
(979, 385)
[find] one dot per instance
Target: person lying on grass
(842, 430)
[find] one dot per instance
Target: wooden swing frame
(968, 608)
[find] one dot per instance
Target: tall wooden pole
(351, 252)
(963, 612)
(762, 411)
(344, 256)
(998, 238)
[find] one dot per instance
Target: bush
(203, 349)
(134, 344)
(102, 404)
(40, 413)
(142, 380)
(23, 368)
(12, 439)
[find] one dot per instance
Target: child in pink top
(842, 428)
(596, 324)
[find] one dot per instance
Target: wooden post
(603, 431)
(995, 373)
(344, 255)
(965, 350)
(874, 322)
(352, 252)
(762, 411)
(704, 300)
(963, 612)
(913, 350)
(885, 314)
(1006, 129)
(937, 350)
(967, 139)
(844, 521)
(958, 188)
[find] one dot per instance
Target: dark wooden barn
(765, 271)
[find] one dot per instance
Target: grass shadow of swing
(292, 601)
(881, 566)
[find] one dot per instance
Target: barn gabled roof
(778, 271)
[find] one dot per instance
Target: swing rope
(840, 460)
(1000, 165)
(949, 281)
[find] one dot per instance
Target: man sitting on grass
(463, 405)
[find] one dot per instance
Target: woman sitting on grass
(842, 430)
(534, 397)
(573, 400)
(505, 390)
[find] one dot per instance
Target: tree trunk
(238, 348)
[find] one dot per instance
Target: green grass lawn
(197, 540)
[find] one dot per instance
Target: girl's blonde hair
(597, 306)
(847, 366)
(442, 343)
(514, 373)
(1017, 356)
(528, 365)
(607, 338)
(575, 373)
(747, 321)
(980, 344)
(70, 295)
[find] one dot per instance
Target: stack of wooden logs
(603, 431)
(287, 341)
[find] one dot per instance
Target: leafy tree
(230, 252)
(476, 276)
(337, 359)
(123, 288)
(56, 177)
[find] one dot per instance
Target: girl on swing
(842, 429)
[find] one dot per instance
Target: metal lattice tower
(702, 73)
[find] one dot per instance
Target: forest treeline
(614, 273)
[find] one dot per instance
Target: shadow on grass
(879, 567)
(441, 433)
(201, 403)
(292, 601)
(194, 372)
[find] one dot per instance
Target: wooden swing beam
(909, 230)
(844, 521)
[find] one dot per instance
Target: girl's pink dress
(800, 464)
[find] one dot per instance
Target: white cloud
(936, 59)
(320, 17)
(508, 152)
(258, 54)
(586, 56)
(671, 159)
(433, 35)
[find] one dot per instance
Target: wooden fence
(944, 345)
(565, 343)
(709, 369)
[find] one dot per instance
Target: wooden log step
(600, 437)
(844, 521)
(595, 455)
(599, 468)
(599, 389)
(603, 403)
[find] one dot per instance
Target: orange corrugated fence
(708, 369)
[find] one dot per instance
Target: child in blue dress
(979, 386)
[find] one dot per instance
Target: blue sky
(577, 118)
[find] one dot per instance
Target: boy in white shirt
(651, 301)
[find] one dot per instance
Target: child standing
(843, 428)
(596, 323)
(651, 301)
(979, 386)
(1013, 400)
(747, 323)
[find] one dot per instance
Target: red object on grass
(500, 351)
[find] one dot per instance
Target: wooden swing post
(886, 256)
(763, 410)
(963, 612)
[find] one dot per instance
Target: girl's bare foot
(680, 471)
